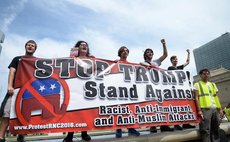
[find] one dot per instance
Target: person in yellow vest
(208, 107)
(227, 111)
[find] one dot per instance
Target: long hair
(79, 43)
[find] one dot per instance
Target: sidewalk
(146, 136)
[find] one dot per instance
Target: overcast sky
(108, 24)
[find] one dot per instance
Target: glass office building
(214, 54)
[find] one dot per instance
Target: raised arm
(165, 52)
(188, 58)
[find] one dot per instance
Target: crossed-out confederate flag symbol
(48, 92)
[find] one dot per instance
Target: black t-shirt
(181, 67)
(14, 63)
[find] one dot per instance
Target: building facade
(214, 54)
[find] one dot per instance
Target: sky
(109, 24)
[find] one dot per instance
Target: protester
(227, 112)
(30, 48)
(123, 53)
(174, 62)
(82, 52)
(208, 107)
(174, 66)
(148, 55)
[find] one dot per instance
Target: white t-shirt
(156, 63)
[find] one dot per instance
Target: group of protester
(206, 98)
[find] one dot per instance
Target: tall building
(214, 54)
(2, 36)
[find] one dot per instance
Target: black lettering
(174, 92)
(43, 68)
(173, 78)
(91, 90)
(102, 110)
(167, 78)
(84, 68)
(102, 68)
(181, 77)
(159, 95)
(167, 94)
(133, 92)
(123, 92)
(149, 92)
(181, 93)
(65, 65)
(127, 70)
(154, 75)
(141, 74)
(102, 90)
(112, 93)
(189, 94)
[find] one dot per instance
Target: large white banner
(67, 94)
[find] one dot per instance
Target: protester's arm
(221, 112)
(165, 52)
(198, 104)
(144, 64)
(188, 58)
(10, 88)
(74, 52)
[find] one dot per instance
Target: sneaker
(118, 133)
(133, 132)
(188, 126)
(153, 129)
(20, 138)
(166, 128)
(67, 140)
(69, 137)
(85, 136)
(178, 127)
(2, 140)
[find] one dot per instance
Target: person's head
(228, 106)
(123, 52)
(83, 49)
(173, 60)
(204, 74)
(148, 54)
(30, 47)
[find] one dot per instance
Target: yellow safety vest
(205, 99)
(227, 113)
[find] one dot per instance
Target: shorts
(6, 105)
